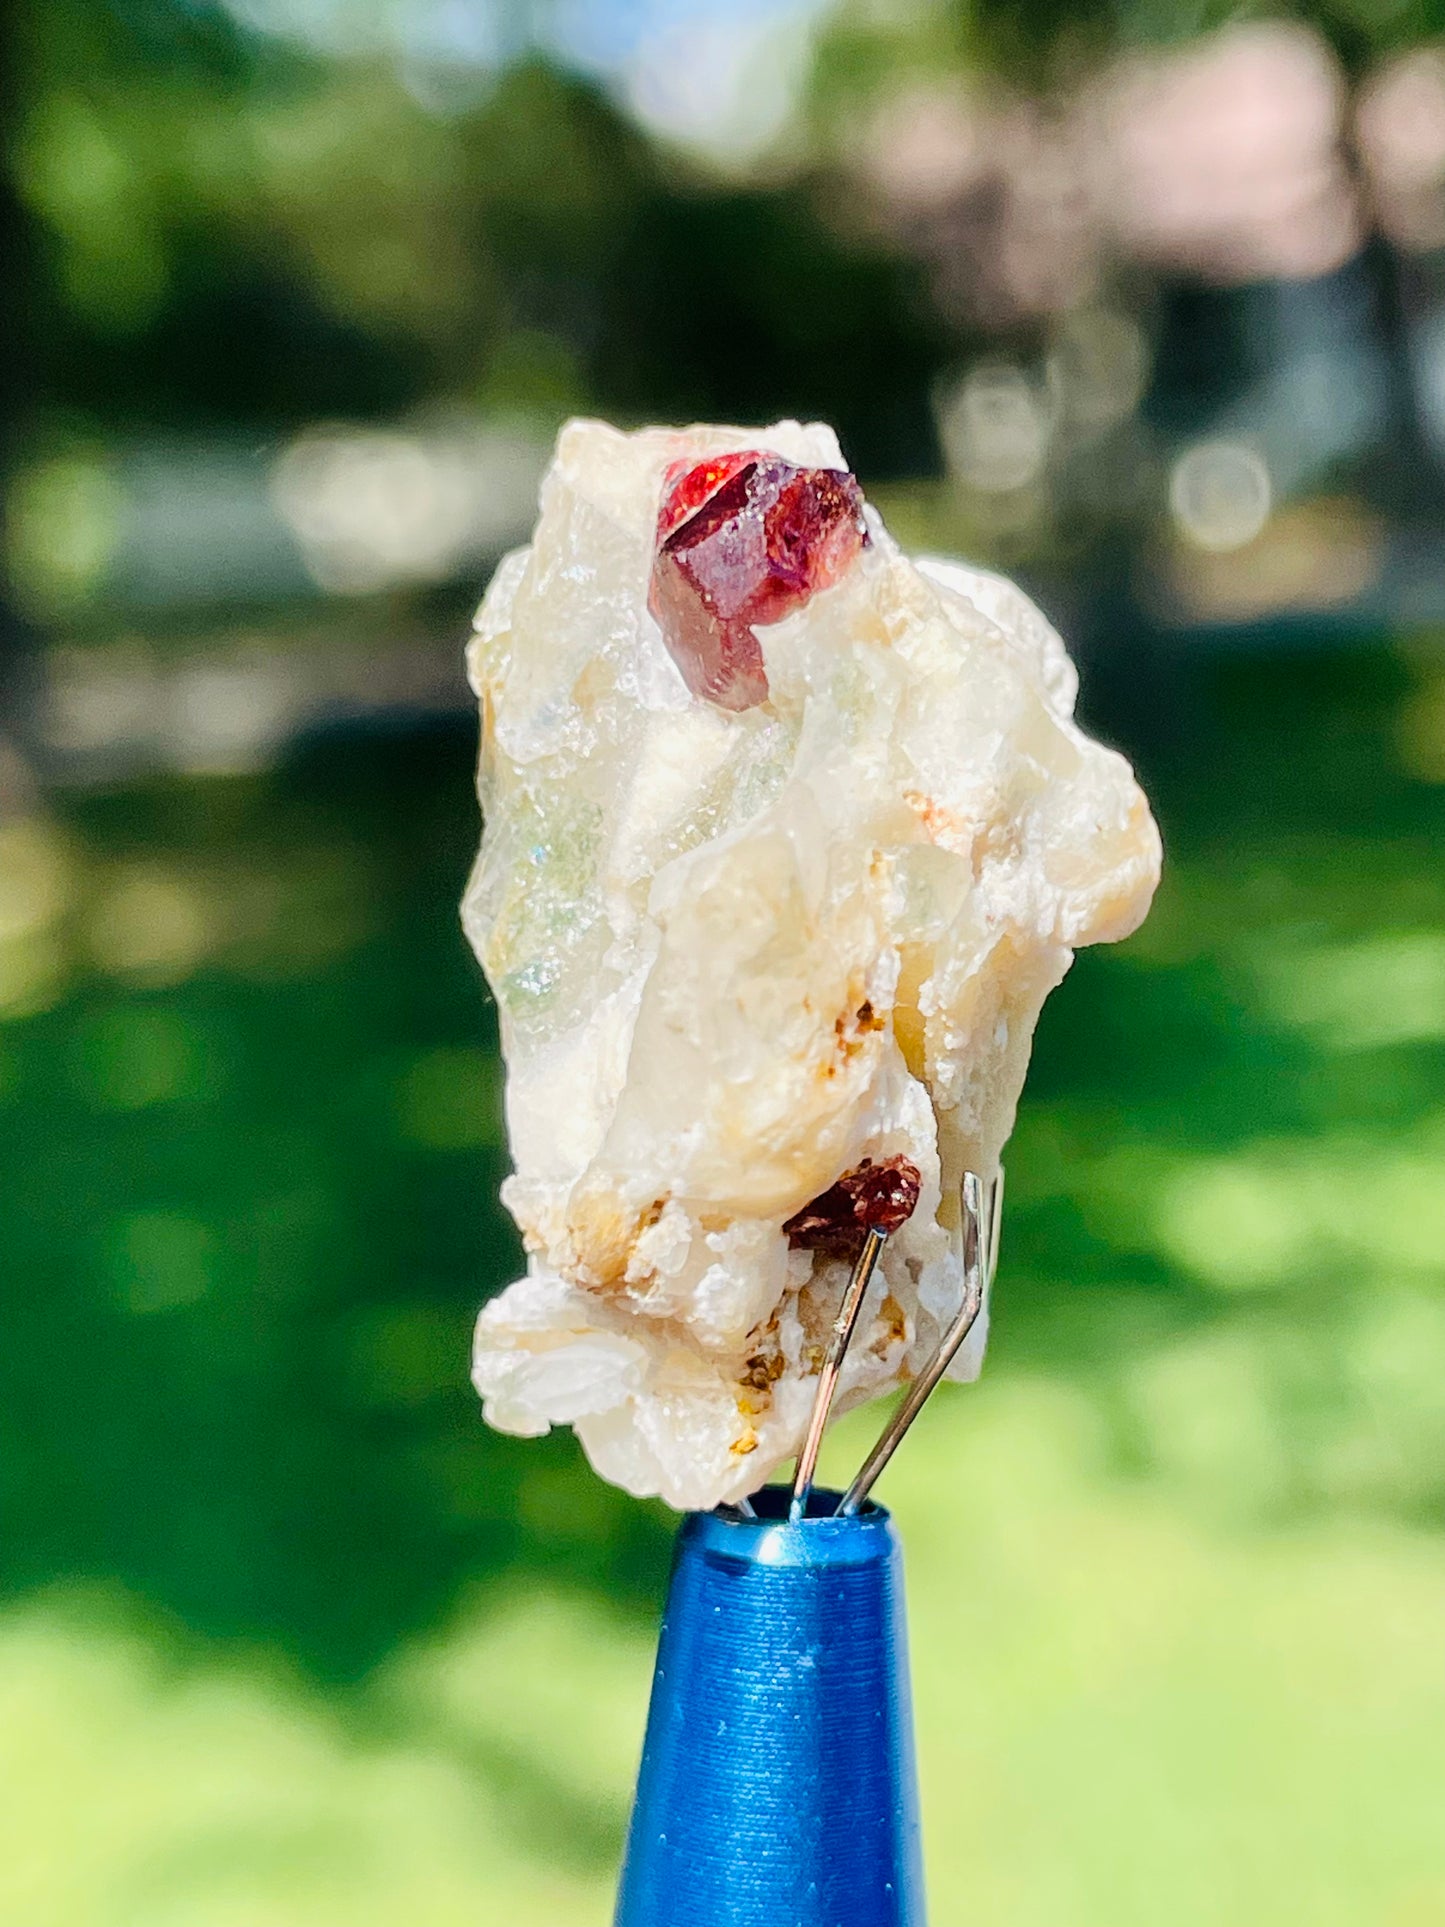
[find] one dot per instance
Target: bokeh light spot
(1236, 1225)
(1098, 366)
(404, 1355)
(160, 1260)
(1375, 991)
(33, 973)
(1220, 494)
(1420, 727)
(450, 1100)
(996, 427)
(64, 521)
(152, 923)
(129, 1059)
(371, 509)
(35, 876)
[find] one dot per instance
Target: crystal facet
(759, 961)
(742, 539)
(874, 1197)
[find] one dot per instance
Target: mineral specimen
(787, 839)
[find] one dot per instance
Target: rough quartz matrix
(745, 937)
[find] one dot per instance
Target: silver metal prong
(745, 1506)
(993, 1196)
(842, 1335)
(980, 1249)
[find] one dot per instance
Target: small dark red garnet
(871, 1197)
(745, 538)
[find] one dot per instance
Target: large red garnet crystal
(745, 538)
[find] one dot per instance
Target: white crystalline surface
(736, 954)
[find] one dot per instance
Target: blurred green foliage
(262, 1144)
(292, 1638)
(1045, 42)
(232, 230)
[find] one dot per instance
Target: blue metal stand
(777, 1786)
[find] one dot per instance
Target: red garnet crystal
(741, 539)
(872, 1197)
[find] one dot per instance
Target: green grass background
(287, 1639)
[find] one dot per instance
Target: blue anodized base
(777, 1786)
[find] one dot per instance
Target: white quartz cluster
(736, 954)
